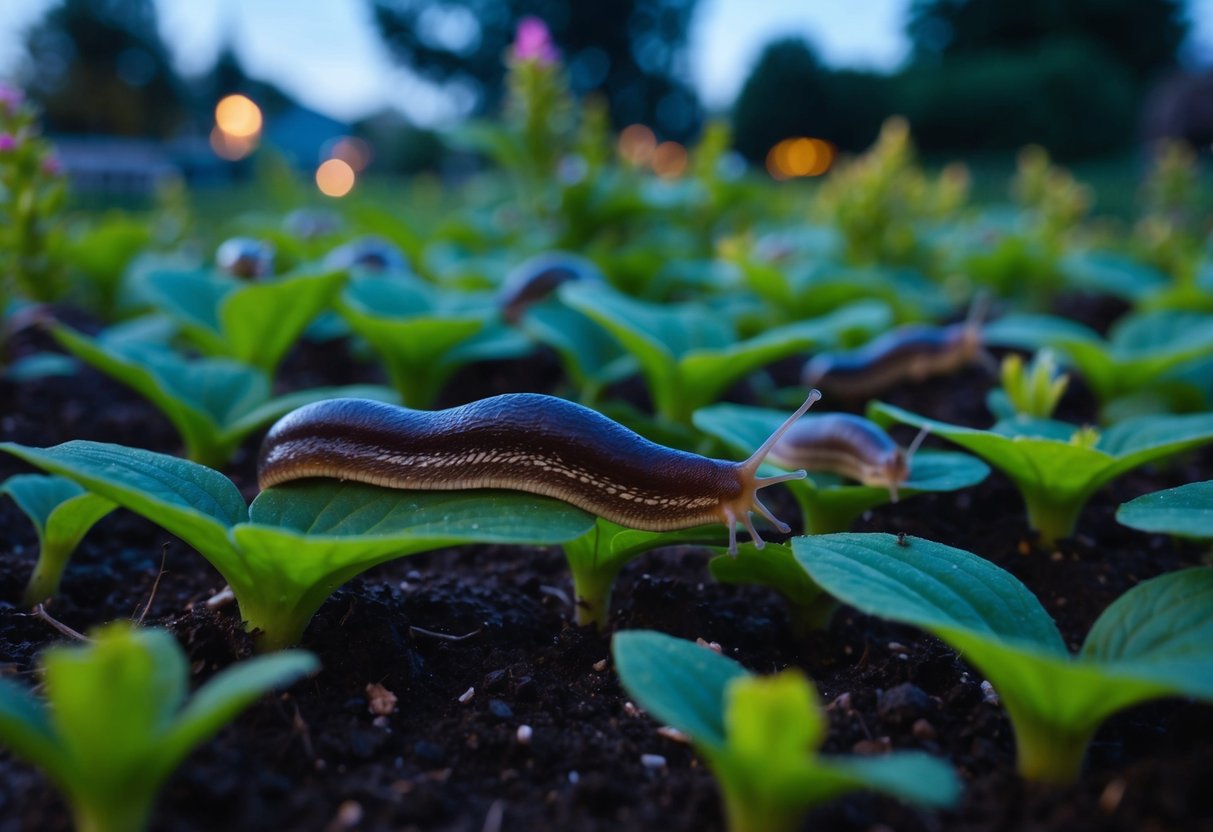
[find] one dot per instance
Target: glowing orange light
(637, 144)
(669, 160)
(238, 116)
(353, 151)
(232, 148)
(799, 156)
(335, 178)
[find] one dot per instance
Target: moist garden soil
(476, 643)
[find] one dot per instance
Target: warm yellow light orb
(335, 178)
(237, 115)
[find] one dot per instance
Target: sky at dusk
(328, 55)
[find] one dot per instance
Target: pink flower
(533, 42)
(8, 142)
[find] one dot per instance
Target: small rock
(494, 681)
(872, 748)
(428, 753)
(923, 730)
(500, 709)
(673, 734)
(1112, 794)
(842, 702)
(988, 694)
(379, 700)
(652, 761)
(714, 646)
(902, 704)
(467, 695)
(524, 734)
(349, 815)
(630, 709)
(600, 665)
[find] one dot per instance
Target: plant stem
(1051, 517)
(743, 814)
(1047, 752)
(592, 585)
(113, 815)
(48, 572)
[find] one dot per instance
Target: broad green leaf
(1034, 332)
(1161, 630)
(906, 775)
(591, 357)
(193, 502)
(929, 585)
(677, 681)
(1108, 273)
(773, 720)
(1186, 511)
(40, 365)
(254, 323)
(773, 565)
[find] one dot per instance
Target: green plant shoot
(62, 513)
(1186, 511)
(827, 502)
(1056, 466)
(760, 734)
(253, 323)
(297, 543)
(1154, 641)
(1032, 390)
(688, 355)
(116, 722)
(214, 403)
(596, 558)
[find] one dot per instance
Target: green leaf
(62, 513)
(1108, 273)
(191, 501)
(25, 728)
(591, 357)
(906, 775)
(254, 323)
(1186, 511)
(772, 566)
(1161, 630)
(929, 585)
(680, 683)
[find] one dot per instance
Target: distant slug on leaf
(908, 353)
(536, 278)
(849, 445)
(525, 442)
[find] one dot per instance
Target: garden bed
(495, 621)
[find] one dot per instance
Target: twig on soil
(155, 586)
(299, 726)
(40, 612)
(421, 631)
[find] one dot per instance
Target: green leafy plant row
(1154, 641)
(296, 544)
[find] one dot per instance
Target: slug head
(742, 507)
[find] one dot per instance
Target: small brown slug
(908, 353)
(524, 442)
(842, 443)
(534, 279)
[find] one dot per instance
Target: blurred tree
(1143, 35)
(633, 51)
(99, 66)
(789, 93)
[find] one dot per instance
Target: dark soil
(316, 758)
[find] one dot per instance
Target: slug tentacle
(525, 442)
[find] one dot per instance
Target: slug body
(525, 442)
(245, 257)
(536, 278)
(842, 443)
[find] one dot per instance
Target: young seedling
(1056, 466)
(421, 334)
(297, 543)
(827, 502)
(1154, 641)
(810, 608)
(116, 723)
(1186, 511)
(1141, 349)
(253, 323)
(760, 735)
(214, 403)
(689, 356)
(596, 558)
(1031, 391)
(62, 513)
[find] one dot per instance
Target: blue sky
(325, 52)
